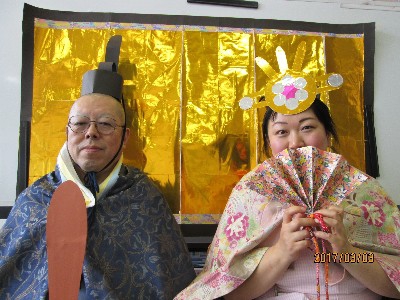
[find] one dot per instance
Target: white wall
(387, 65)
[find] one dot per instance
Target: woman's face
(295, 131)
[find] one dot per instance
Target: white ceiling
(388, 5)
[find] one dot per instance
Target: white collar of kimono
(68, 172)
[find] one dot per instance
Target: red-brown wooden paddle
(66, 232)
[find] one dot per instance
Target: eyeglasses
(104, 125)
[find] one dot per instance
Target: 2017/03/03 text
(365, 257)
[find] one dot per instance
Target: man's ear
(126, 137)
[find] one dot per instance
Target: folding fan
(309, 177)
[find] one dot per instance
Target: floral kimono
(254, 214)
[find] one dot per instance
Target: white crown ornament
(290, 91)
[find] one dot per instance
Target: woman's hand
(337, 238)
(370, 274)
(294, 237)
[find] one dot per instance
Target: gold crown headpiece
(290, 91)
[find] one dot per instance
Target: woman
(262, 245)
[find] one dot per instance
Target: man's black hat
(106, 80)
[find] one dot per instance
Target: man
(135, 249)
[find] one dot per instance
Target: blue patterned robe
(134, 250)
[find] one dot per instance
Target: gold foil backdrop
(182, 85)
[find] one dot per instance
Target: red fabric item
(66, 232)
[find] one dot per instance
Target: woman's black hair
(320, 110)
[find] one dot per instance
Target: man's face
(92, 150)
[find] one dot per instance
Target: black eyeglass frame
(96, 124)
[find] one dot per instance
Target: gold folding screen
(182, 84)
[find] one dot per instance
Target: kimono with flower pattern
(255, 209)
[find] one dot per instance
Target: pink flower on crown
(290, 91)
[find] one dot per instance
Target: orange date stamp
(347, 257)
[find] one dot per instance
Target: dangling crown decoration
(290, 91)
